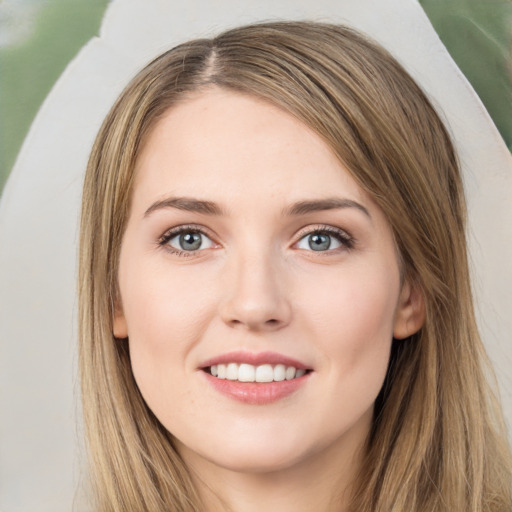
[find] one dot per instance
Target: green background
(478, 34)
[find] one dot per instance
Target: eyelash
(344, 238)
(163, 241)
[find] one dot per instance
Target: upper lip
(255, 359)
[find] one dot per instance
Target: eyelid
(171, 233)
(342, 235)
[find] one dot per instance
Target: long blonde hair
(438, 441)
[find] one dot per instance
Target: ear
(410, 312)
(120, 328)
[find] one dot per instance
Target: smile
(256, 378)
(250, 373)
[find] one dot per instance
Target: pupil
(190, 241)
(319, 242)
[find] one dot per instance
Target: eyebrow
(332, 203)
(187, 204)
(190, 204)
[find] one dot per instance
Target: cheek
(354, 322)
(162, 308)
(165, 315)
(157, 351)
(362, 304)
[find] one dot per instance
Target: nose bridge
(256, 295)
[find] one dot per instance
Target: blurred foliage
(478, 35)
(29, 68)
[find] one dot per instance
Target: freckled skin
(257, 286)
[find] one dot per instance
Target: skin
(256, 285)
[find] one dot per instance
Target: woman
(275, 304)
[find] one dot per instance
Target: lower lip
(257, 393)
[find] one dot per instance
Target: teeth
(290, 373)
(246, 373)
(264, 373)
(280, 372)
(232, 371)
(249, 373)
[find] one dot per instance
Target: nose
(256, 297)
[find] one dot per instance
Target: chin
(256, 461)
(250, 453)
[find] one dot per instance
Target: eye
(186, 240)
(325, 239)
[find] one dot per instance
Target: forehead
(229, 145)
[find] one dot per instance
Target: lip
(255, 359)
(255, 393)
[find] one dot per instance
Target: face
(259, 288)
